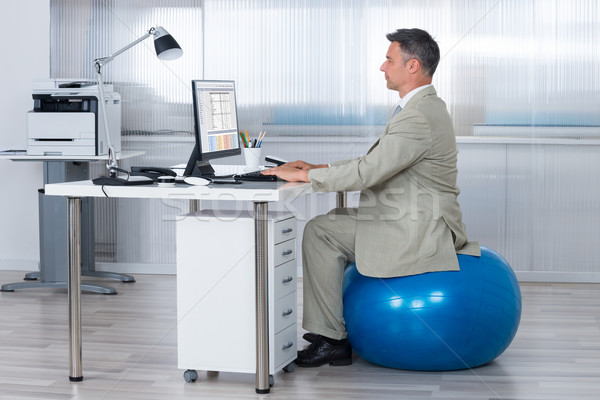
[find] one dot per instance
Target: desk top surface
(247, 191)
(24, 157)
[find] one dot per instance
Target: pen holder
(252, 157)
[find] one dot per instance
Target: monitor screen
(215, 124)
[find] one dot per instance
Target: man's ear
(414, 65)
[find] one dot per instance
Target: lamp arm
(112, 157)
(100, 62)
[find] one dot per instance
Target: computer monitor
(215, 125)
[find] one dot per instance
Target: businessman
(408, 220)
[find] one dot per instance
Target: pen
(260, 139)
(243, 139)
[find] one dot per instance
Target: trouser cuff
(324, 331)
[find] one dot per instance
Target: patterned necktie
(397, 110)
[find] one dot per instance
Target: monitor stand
(197, 167)
(203, 168)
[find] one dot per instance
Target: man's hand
(304, 165)
(295, 171)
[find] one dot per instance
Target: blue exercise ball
(438, 321)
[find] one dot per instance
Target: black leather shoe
(322, 352)
(310, 337)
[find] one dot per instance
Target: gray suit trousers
(327, 246)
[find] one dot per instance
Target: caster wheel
(290, 367)
(190, 375)
(271, 380)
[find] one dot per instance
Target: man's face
(395, 69)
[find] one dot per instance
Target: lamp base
(115, 181)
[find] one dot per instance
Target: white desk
(259, 193)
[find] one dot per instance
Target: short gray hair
(416, 43)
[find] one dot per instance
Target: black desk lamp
(166, 48)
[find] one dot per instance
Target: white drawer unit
(216, 313)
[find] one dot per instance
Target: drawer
(285, 312)
(285, 279)
(284, 230)
(285, 347)
(284, 252)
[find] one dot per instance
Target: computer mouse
(195, 180)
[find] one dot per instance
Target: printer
(66, 119)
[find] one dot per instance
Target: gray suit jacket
(408, 219)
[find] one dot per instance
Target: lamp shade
(166, 47)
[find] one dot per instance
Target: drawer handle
(287, 252)
(288, 279)
(288, 230)
(287, 312)
(287, 346)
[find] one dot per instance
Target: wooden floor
(129, 352)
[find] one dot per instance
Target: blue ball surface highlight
(438, 321)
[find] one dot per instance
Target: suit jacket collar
(428, 91)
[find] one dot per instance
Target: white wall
(536, 202)
(27, 56)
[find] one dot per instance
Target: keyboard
(254, 176)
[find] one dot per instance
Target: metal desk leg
(74, 288)
(262, 310)
(194, 205)
(340, 199)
